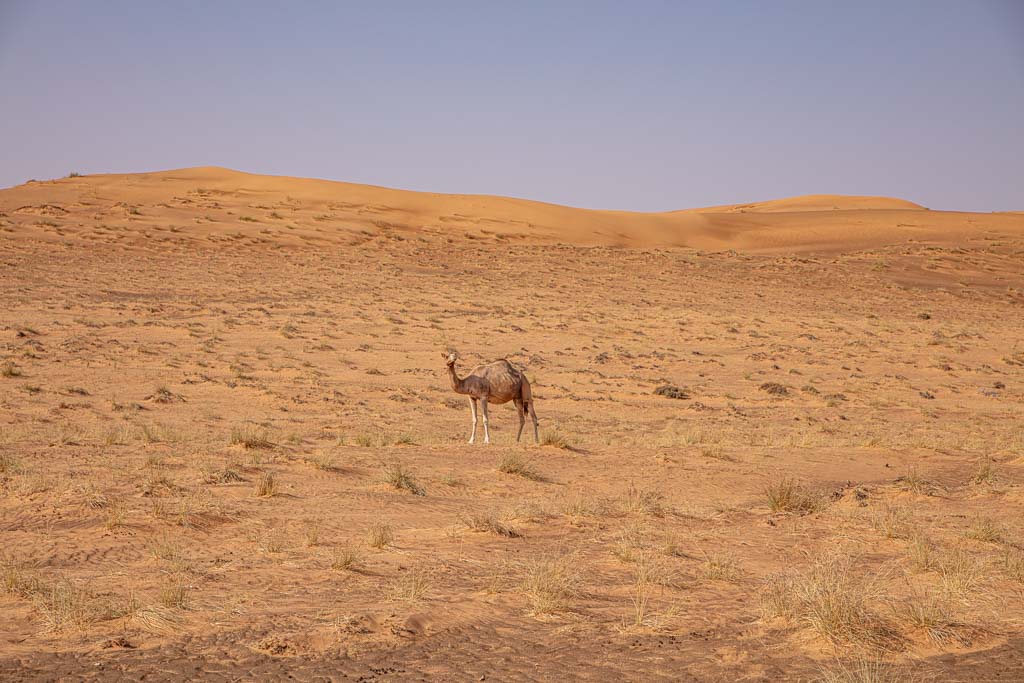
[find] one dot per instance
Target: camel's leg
(521, 412)
(472, 406)
(483, 410)
(533, 416)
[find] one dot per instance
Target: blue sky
(625, 105)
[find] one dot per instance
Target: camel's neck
(457, 384)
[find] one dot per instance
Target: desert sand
(780, 440)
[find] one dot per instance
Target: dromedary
(497, 382)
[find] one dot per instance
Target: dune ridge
(211, 204)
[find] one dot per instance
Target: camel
(497, 382)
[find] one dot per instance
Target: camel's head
(449, 357)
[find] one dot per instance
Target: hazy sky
(626, 105)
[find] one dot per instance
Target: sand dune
(229, 448)
(214, 204)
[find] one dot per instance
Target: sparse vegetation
(552, 437)
(380, 535)
(346, 558)
(266, 485)
(516, 463)
(490, 521)
(551, 582)
(790, 495)
(400, 477)
(831, 599)
(9, 369)
(250, 437)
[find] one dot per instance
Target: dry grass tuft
(931, 615)
(551, 583)
(250, 437)
(491, 521)
(174, 592)
(721, 567)
(648, 571)
(630, 543)
(921, 553)
(380, 535)
(323, 461)
(1013, 565)
(9, 369)
(401, 478)
(64, 605)
(987, 530)
(640, 501)
(266, 486)
(961, 576)
(831, 600)
(519, 465)
(412, 585)
(915, 482)
(864, 671)
(892, 521)
(552, 437)
(346, 558)
(789, 495)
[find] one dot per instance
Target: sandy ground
(229, 449)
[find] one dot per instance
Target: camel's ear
(444, 355)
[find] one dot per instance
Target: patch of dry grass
(266, 485)
(250, 437)
(642, 501)
(519, 465)
(346, 558)
(790, 495)
(553, 437)
(987, 530)
(412, 585)
(931, 615)
(830, 599)
(864, 671)
(721, 567)
(892, 521)
(551, 582)
(962, 576)
(491, 521)
(380, 535)
(400, 477)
